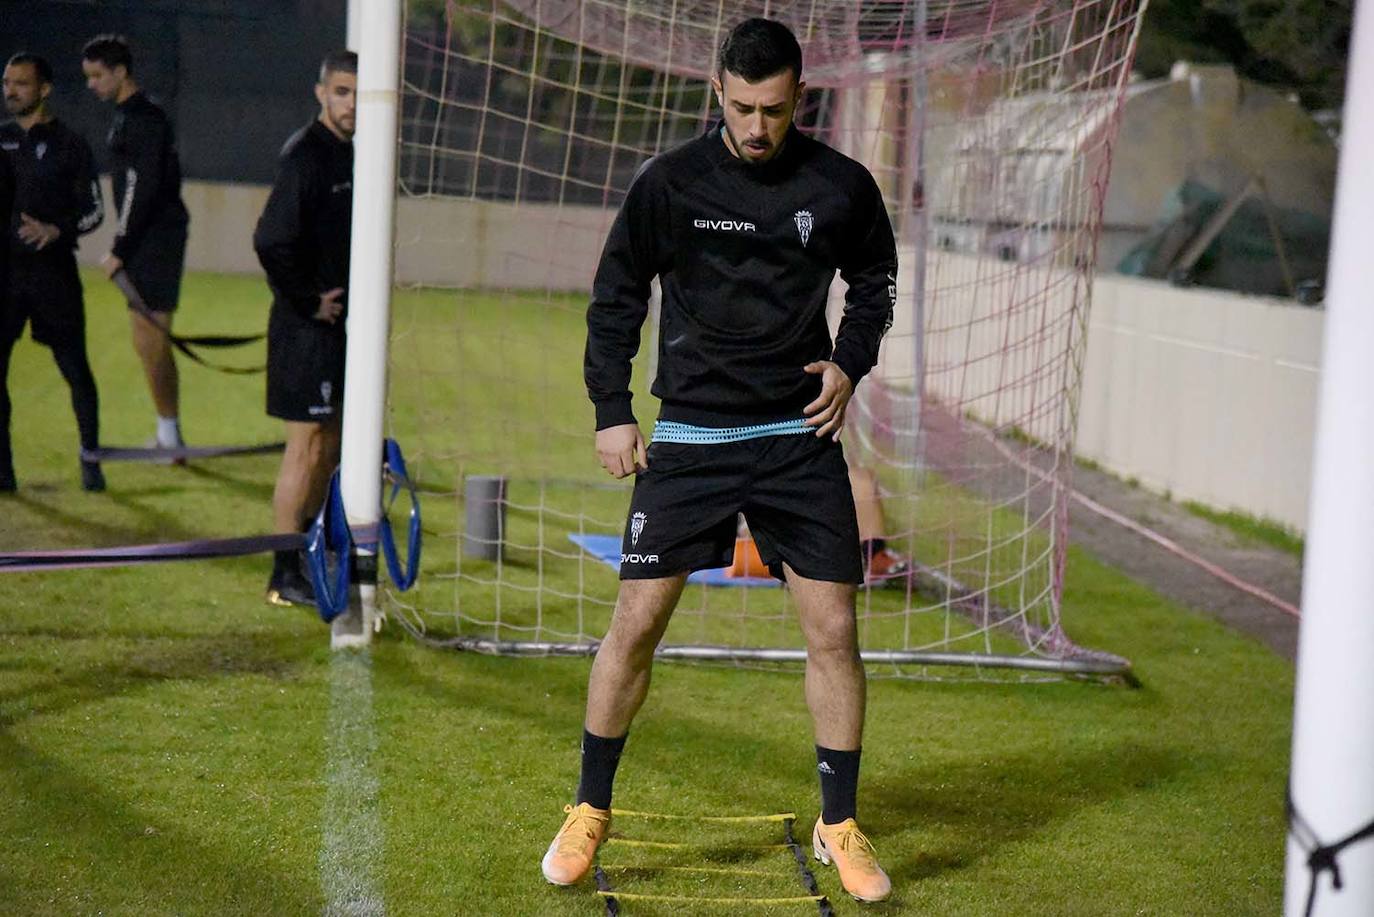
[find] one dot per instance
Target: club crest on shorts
(326, 389)
(637, 526)
(805, 222)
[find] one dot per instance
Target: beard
(16, 108)
(740, 148)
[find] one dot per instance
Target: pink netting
(988, 124)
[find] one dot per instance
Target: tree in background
(1295, 44)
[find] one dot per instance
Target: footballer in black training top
(745, 228)
(55, 200)
(150, 240)
(302, 240)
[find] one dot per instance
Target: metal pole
(919, 230)
(369, 297)
(1105, 666)
(1333, 728)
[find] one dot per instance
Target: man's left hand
(111, 264)
(826, 413)
(36, 232)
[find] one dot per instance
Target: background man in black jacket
(302, 240)
(150, 244)
(56, 199)
(7, 483)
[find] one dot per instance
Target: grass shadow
(72, 525)
(151, 662)
(100, 827)
(256, 490)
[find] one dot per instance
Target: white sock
(168, 431)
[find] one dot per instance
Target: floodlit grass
(455, 355)
(163, 732)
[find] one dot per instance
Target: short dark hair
(759, 48)
(40, 65)
(111, 50)
(340, 61)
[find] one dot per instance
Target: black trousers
(46, 294)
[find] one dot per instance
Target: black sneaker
(289, 587)
(92, 478)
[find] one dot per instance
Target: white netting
(987, 123)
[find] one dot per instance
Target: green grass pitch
(163, 733)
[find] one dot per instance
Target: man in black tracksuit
(56, 199)
(302, 240)
(745, 228)
(150, 244)
(7, 482)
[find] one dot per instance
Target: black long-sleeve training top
(745, 255)
(146, 175)
(6, 202)
(55, 182)
(303, 235)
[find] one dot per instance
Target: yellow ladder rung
(720, 870)
(667, 845)
(682, 899)
(630, 813)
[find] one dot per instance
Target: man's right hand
(330, 307)
(621, 450)
(36, 232)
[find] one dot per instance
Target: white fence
(1208, 395)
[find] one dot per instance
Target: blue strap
(670, 431)
(395, 465)
(330, 534)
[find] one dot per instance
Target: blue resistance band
(331, 535)
(670, 431)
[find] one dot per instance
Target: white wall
(1208, 395)
(1205, 394)
(222, 220)
(440, 242)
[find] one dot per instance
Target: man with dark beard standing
(56, 199)
(745, 227)
(302, 240)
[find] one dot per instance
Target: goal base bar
(1097, 664)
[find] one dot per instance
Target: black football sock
(284, 562)
(600, 756)
(6, 463)
(839, 771)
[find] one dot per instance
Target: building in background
(1216, 181)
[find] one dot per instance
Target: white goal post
(1332, 789)
(375, 26)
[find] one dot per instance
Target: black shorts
(45, 292)
(794, 493)
(305, 367)
(156, 267)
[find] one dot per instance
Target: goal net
(988, 125)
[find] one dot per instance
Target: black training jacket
(744, 255)
(146, 175)
(303, 234)
(55, 182)
(6, 202)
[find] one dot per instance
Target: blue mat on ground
(606, 548)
